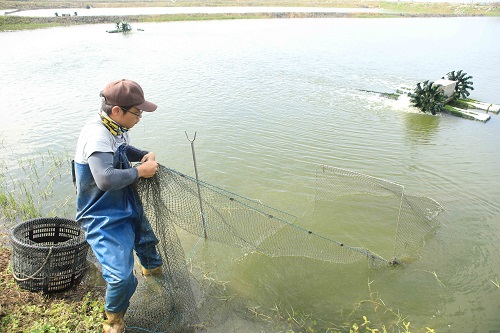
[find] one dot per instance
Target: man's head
(123, 101)
(127, 94)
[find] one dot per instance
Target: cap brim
(147, 106)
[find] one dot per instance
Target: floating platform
(472, 109)
(467, 114)
(494, 108)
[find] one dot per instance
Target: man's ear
(115, 110)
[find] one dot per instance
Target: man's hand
(148, 157)
(148, 168)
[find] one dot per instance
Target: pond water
(272, 99)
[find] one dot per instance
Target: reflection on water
(360, 221)
(420, 129)
(272, 99)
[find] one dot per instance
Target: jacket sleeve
(135, 154)
(106, 177)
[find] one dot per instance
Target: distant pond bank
(33, 19)
(132, 11)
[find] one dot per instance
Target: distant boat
(12, 11)
(121, 26)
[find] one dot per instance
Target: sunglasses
(138, 115)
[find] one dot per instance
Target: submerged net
(410, 219)
(174, 201)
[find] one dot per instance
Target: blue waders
(115, 225)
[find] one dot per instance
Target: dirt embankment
(74, 20)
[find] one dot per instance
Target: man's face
(128, 118)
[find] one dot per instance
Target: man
(108, 207)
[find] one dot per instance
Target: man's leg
(113, 246)
(145, 247)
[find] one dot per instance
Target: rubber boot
(114, 323)
(157, 271)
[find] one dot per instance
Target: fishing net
(175, 202)
(408, 219)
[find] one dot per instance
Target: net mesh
(174, 201)
(412, 218)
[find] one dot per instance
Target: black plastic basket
(48, 254)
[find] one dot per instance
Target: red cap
(127, 93)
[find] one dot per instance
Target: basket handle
(38, 271)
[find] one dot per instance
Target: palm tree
(428, 97)
(463, 83)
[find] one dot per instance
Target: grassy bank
(185, 3)
(78, 310)
(393, 9)
(402, 5)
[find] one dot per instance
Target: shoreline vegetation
(392, 9)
